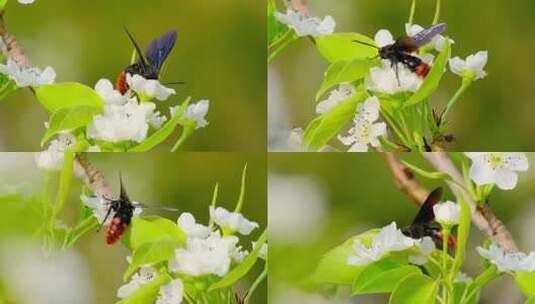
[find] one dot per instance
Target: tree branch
(16, 52)
(300, 6)
(482, 217)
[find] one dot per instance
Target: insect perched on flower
(401, 50)
(123, 210)
(422, 225)
(150, 64)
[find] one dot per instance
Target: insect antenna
(174, 83)
(366, 43)
(137, 47)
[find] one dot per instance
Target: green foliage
(415, 288)
(526, 283)
(342, 46)
(345, 70)
(68, 94)
(276, 30)
(150, 230)
(7, 86)
(151, 253)
(164, 132)
(326, 126)
(243, 268)
(333, 267)
(432, 80)
(148, 292)
(381, 277)
(69, 119)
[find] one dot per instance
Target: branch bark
(16, 51)
(300, 6)
(482, 217)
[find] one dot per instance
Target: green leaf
(243, 268)
(68, 119)
(147, 293)
(3, 4)
(68, 94)
(6, 86)
(275, 29)
(323, 128)
(164, 132)
(341, 46)
(152, 230)
(459, 289)
(531, 300)
(333, 267)
(346, 70)
(526, 283)
(415, 288)
(152, 253)
(432, 80)
(381, 277)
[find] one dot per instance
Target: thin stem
(413, 10)
(394, 127)
(257, 282)
(186, 133)
(281, 47)
(64, 182)
(437, 13)
(446, 235)
(483, 279)
(466, 83)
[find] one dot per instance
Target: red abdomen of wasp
(422, 70)
(452, 242)
(115, 231)
(121, 84)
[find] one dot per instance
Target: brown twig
(95, 179)
(300, 6)
(482, 217)
(16, 52)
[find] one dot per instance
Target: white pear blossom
(27, 77)
(52, 158)
(186, 222)
(25, 1)
(425, 247)
(389, 239)
(498, 168)
(472, 67)
(149, 88)
(239, 254)
(306, 26)
(344, 92)
(508, 261)
(212, 255)
(232, 221)
(122, 122)
(447, 213)
(437, 42)
(171, 293)
(195, 112)
(101, 206)
(144, 276)
(365, 132)
(105, 89)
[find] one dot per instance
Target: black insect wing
(422, 225)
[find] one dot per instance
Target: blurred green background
(184, 181)
(220, 53)
(315, 202)
(495, 114)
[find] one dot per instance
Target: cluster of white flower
(208, 251)
(365, 132)
(344, 92)
(27, 76)
(25, 1)
(125, 118)
(390, 239)
(497, 168)
(52, 158)
(306, 26)
(508, 261)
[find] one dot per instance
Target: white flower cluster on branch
(306, 26)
